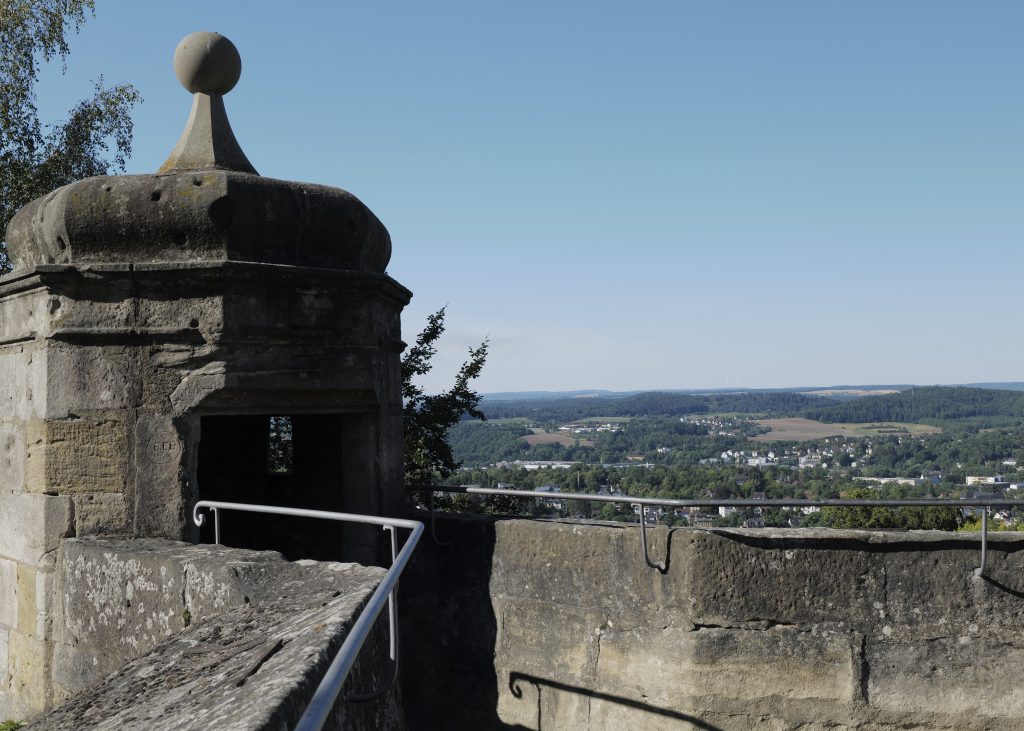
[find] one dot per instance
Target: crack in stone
(272, 648)
(756, 625)
(865, 670)
(885, 586)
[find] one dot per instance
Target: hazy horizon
(998, 385)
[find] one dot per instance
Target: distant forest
(929, 404)
(655, 403)
(941, 405)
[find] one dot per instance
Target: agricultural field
(597, 420)
(849, 392)
(800, 430)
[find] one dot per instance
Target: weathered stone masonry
(561, 625)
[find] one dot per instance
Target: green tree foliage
(505, 505)
(955, 453)
(927, 518)
(475, 443)
(280, 451)
(36, 158)
(973, 523)
(427, 418)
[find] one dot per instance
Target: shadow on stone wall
(1003, 587)
(449, 629)
(515, 681)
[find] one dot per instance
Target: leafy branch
(428, 418)
(35, 159)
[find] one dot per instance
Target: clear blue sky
(653, 194)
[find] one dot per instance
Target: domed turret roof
(207, 202)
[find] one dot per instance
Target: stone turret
(201, 332)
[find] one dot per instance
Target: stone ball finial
(207, 63)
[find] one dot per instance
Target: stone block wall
(32, 521)
(106, 372)
(159, 634)
(550, 625)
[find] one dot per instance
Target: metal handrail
(644, 502)
(327, 692)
